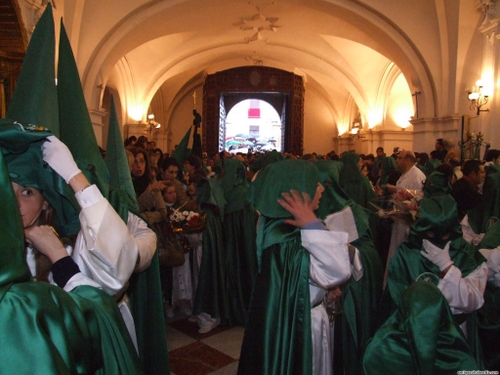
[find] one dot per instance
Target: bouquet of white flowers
(187, 221)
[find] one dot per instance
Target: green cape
(355, 185)
(419, 338)
(278, 331)
(77, 332)
(439, 215)
(437, 184)
(360, 298)
(35, 96)
(211, 294)
(239, 232)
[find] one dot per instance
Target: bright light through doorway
(253, 125)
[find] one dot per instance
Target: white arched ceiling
(342, 47)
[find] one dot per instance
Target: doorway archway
(283, 90)
(253, 125)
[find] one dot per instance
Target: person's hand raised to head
(45, 240)
(58, 156)
(300, 206)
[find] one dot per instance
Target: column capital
(491, 15)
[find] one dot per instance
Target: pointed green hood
(76, 126)
(334, 198)
(235, 184)
(181, 151)
(281, 177)
(35, 96)
(116, 159)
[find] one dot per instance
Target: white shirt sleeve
(80, 279)
(464, 294)
(493, 262)
(329, 261)
(329, 264)
(105, 249)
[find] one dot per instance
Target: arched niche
(283, 90)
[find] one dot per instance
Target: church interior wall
(447, 39)
(319, 125)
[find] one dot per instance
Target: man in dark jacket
(466, 190)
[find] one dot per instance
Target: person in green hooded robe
(489, 313)
(356, 186)
(437, 251)
(80, 331)
(42, 166)
(419, 338)
(211, 303)
(382, 226)
(437, 184)
(357, 322)
(239, 231)
(287, 331)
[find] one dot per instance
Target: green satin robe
(359, 298)
(239, 232)
(278, 338)
(355, 185)
(488, 316)
(48, 331)
(439, 216)
(407, 264)
(419, 338)
(278, 331)
(211, 294)
(45, 330)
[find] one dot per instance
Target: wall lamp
(152, 124)
(478, 98)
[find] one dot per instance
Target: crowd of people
(334, 264)
(342, 298)
(298, 250)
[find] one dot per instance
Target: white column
(97, 116)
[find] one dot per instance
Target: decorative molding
(257, 24)
(37, 7)
(491, 14)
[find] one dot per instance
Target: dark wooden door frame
(281, 89)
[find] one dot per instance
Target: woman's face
(139, 166)
(31, 204)
(170, 173)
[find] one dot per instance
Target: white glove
(440, 257)
(57, 155)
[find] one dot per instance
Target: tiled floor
(192, 353)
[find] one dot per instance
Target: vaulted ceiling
(355, 56)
